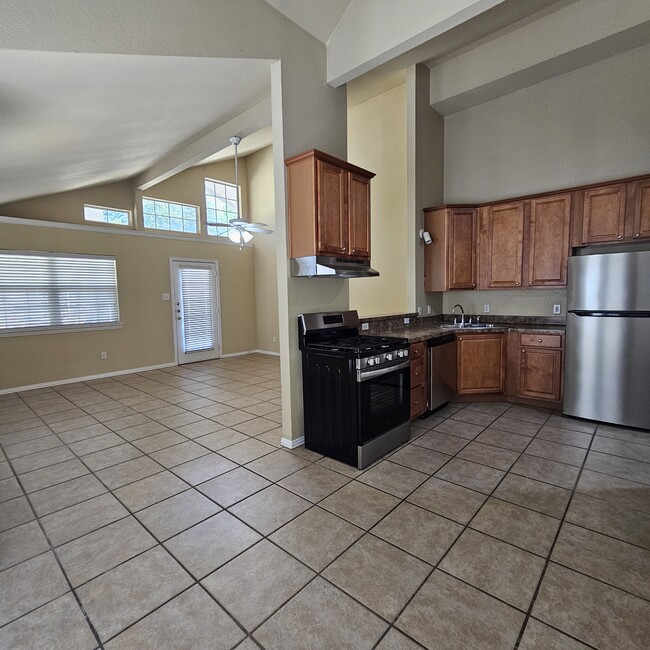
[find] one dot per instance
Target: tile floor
(157, 510)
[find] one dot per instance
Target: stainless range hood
(320, 266)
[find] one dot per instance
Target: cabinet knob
(539, 340)
(517, 283)
(530, 282)
(460, 338)
(620, 237)
(638, 234)
(523, 350)
(474, 284)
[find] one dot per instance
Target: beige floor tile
(395, 479)
(419, 458)
(15, 512)
(5, 470)
(314, 482)
(257, 582)
(31, 446)
(503, 439)
(522, 527)
(341, 468)
(159, 441)
(21, 543)
(623, 433)
(269, 509)
(418, 531)
(59, 624)
(197, 429)
(75, 423)
(99, 551)
(233, 417)
(591, 611)
(255, 427)
(624, 468)
(474, 417)
(547, 471)
(447, 614)
(316, 537)
(360, 504)
(441, 442)
(560, 422)
(277, 465)
(542, 497)
(508, 573)
(632, 450)
(174, 625)
(113, 456)
(41, 459)
(628, 525)
(142, 430)
(558, 452)
(120, 597)
(128, 472)
(489, 455)
(176, 514)
(609, 560)
(210, 544)
(395, 640)
(186, 451)
(9, 489)
(77, 520)
(377, 574)
(615, 490)
(246, 451)
(335, 621)
(471, 475)
(529, 413)
(227, 489)
(203, 468)
(448, 499)
(506, 423)
(29, 585)
(53, 475)
(118, 424)
(221, 439)
(565, 437)
(150, 490)
(538, 636)
(460, 429)
(65, 494)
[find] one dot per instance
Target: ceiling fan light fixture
(238, 236)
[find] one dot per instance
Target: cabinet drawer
(542, 340)
(418, 401)
(417, 351)
(417, 372)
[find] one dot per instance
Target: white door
(196, 310)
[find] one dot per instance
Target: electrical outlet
(165, 296)
(486, 309)
(407, 320)
(104, 355)
(274, 339)
(429, 310)
(365, 326)
(557, 309)
(419, 311)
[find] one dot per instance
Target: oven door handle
(363, 375)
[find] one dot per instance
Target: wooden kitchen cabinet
(418, 379)
(501, 245)
(540, 367)
(450, 260)
(640, 220)
(481, 363)
(329, 206)
(603, 213)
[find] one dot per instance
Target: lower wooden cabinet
(418, 379)
(540, 367)
(481, 366)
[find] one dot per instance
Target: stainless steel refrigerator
(607, 365)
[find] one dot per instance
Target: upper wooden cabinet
(450, 260)
(501, 245)
(548, 240)
(640, 192)
(603, 214)
(329, 206)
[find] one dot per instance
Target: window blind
(196, 291)
(51, 291)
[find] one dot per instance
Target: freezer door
(607, 369)
(609, 282)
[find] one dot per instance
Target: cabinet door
(461, 249)
(642, 211)
(540, 375)
(359, 215)
(548, 249)
(481, 363)
(332, 235)
(501, 252)
(603, 214)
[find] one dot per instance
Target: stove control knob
(406, 353)
(377, 360)
(389, 356)
(371, 361)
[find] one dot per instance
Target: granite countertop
(424, 332)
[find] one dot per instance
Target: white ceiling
(248, 145)
(318, 17)
(72, 120)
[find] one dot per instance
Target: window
(52, 291)
(107, 215)
(221, 201)
(168, 215)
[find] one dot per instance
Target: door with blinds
(196, 310)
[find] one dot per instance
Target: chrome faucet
(462, 315)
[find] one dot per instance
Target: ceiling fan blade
(253, 227)
(218, 224)
(237, 222)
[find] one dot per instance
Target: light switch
(165, 296)
(365, 326)
(557, 309)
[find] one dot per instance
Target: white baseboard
(242, 354)
(74, 380)
(233, 354)
(273, 354)
(292, 444)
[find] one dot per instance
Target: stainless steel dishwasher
(442, 370)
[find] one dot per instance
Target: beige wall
(143, 276)
(261, 198)
(377, 141)
(533, 302)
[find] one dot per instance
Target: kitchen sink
(467, 326)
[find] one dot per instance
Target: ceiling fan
(239, 230)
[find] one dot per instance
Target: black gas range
(355, 388)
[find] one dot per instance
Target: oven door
(384, 400)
